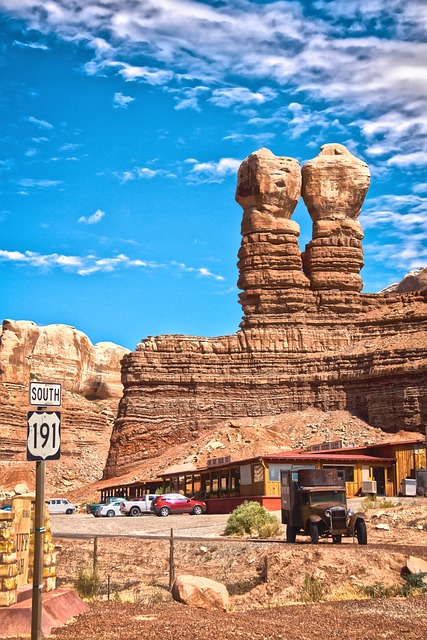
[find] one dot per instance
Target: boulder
(416, 565)
(200, 592)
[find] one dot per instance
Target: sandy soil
(265, 580)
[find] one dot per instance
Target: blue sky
(123, 124)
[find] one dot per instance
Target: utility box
(408, 487)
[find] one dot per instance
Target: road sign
(45, 394)
(43, 435)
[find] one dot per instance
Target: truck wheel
(314, 532)
(135, 511)
(291, 533)
(361, 533)
(337, 539)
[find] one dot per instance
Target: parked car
(167, 503)
(60, 505)
(93, 506)
(6, 507)
(109, 510)
(137, 506)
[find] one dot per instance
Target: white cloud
(131, 73)
(201, 272)
(31, 45)
(416, 158)
(94, 218)
(213, 171)
(41, 183)
(139, 172)
(91, 264)
(229, 97)
(40, 123)
(121, 101)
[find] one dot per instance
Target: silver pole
(36, 611)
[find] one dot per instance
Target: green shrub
(87, 583)
(312, 590)
(371, 502)
(250, 518)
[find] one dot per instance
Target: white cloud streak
(90, 264)
(43, 124)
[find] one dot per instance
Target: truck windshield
(320, 497)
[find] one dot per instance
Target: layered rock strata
(270, 264)
(306, 340)
(91, 381)
(334, 186)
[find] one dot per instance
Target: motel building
(376, 469)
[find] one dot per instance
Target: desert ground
(267, 580)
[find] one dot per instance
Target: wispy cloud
(232, 96)
(121, 101)
(93, 219)
(91, 264)
(43, 124)
(41, 183)
(202, 272)
(31, 45)
(212, 171)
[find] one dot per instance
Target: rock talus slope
(308, 338)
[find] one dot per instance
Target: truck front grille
(338, 519)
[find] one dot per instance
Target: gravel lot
(146, 525)
(141, 607)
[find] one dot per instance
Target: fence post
(266, 569)
(171, 561)
(95, 554)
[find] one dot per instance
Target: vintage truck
(137, 506)
(314, 504)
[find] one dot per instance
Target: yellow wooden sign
(22, 525)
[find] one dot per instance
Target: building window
(345, 471)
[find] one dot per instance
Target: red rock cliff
(308, 337)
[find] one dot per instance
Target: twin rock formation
(275, 276)
(308, 337)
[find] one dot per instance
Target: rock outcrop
(307, 339)
(91, 383)
(415, 280)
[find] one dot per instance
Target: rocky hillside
(308, 338)
(90, 378)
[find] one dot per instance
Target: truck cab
(314, 504)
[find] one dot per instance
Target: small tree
(250, 518)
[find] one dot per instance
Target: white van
(60, 505)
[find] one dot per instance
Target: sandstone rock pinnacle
(270, 263)
(334, 185)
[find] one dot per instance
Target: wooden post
(266, 569)
(108, 588)
(171, 562)
(95, 554)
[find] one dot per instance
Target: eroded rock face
(91, 381)
(270, 264)
(415, 280)
(308, 340)
(59, 353)
(334, 186)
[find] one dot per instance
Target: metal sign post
(36, 610)
(43, 443)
